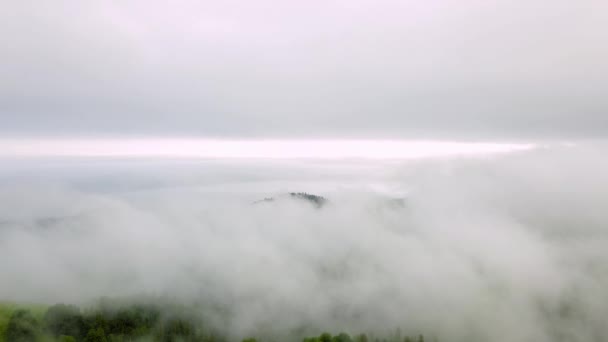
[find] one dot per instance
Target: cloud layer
(508, 248)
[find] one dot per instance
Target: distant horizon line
(251, 148)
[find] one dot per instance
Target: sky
(358, 69)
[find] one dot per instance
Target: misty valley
(508, 247)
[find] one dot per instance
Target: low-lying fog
(512, 247)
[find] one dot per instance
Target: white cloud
(489, 249)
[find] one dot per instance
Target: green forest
(108, 322)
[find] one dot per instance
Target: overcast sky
(466, 69)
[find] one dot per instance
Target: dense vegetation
(109, 322)
(104, 323)
(319, 201)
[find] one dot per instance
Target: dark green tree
(177, 330)
(96, 335)
(64, 338)
(65, 320)
(342, 337)
(22, 327)
(134, 321)
(325, 337)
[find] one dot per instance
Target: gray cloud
(491, 69)
(505, 248)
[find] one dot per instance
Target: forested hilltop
(316, 200)
(108, 322)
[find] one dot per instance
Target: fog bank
(505, 248)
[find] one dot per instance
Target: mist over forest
(304, 171)
(508, 247)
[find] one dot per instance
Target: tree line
(136, 322)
